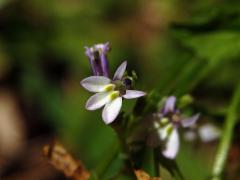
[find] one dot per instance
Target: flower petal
(163, 132)
(169, 104)
(111, 110)
(130, 94)
(90, 56)
(209, 132)
(102, 47)
(104, 65)
(120, 71)
(187, 122)
(95, 83)
(172, 145)
(98, 100)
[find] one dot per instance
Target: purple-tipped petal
(172, 145)
(120, 71)
(209, 132)
(93, 66)
(104, 64)
(187, 122)
(88, 51)
(130, 94)
(106, 47)
(103, 50)
(97, 100)
(95, 83)
(169, 105)
(98, 66)
(111, 110)
(90, 56)
(102, 47)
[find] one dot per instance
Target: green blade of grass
(225, 143)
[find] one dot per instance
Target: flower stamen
(109, 87)
(114, 95)
(164, 121)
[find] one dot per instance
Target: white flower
(167, 123)
(209, 132)
(109, 93)
(206, 133)
(169, 135)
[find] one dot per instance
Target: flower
(209, 132)
(109, 93)
(97, 56)
(167, 123)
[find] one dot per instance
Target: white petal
(111, 110)
(163, 131)
(98, 100)
(209, 132)
(120, 71)
(172, 145)
(130, 94)
(95, 83)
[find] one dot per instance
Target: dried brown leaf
(142, 175)
(63, 161)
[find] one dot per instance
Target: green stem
(156, 162)
(225, 143)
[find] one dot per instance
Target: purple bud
(104, 60)
(90, 56)
(97, 56)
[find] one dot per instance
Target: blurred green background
(175, 46)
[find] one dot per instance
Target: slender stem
(156, 162)
(225, 143)
(121, 131)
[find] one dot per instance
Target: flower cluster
(109, 92)
(166, 124)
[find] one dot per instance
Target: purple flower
(167, 124)
(109, 93)
(97, 56)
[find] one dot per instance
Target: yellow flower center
(109, 87)
(169, 129)
(114, 95)
(164, 121)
